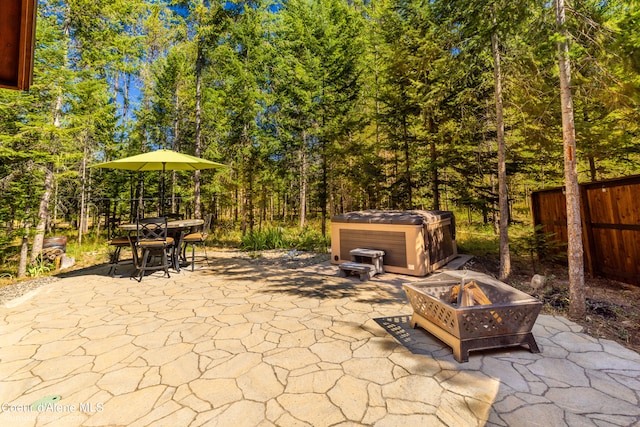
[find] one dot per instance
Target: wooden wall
(17, 38)
(611, 225)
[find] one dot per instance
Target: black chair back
(152, 229)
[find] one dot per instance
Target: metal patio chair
(152, 240)
(195, 238)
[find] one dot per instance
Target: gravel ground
(288, 259)
(16, 290)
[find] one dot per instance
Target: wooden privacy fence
(610, 213)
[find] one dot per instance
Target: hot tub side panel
(404, 245)
(440, 243)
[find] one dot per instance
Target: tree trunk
(250, 198)
(55, 204)
(592, 168)
(407, 164)
(284, 206)
(577, 298)
(43, 213)
(494, 205)
(116, 87)
(43, 210)
(24, 254)
(143, 149)
(324, 190)
(433, 154)
(125, 98)
(503, 200)
(176, 146)
(140, 197)
(196, 175)
(96, 212)
(83, 226)
(303, 181)
(243, 208)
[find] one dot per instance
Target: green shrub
(40, 268)
(310, 240)
(538, 245)
(270, 238)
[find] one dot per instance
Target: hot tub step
(368, 256)
(366, 271)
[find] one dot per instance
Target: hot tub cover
(413, 217)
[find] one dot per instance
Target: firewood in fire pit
(471, 294)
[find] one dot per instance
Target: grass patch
(477, 239)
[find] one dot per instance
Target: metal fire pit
(507, 321)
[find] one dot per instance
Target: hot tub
(414, 242)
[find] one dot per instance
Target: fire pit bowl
(506, 321)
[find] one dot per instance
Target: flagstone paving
(237, 344)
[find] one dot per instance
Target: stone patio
(239, 344)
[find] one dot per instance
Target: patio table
(176, 227)
(172, 224)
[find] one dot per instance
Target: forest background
(317, 106)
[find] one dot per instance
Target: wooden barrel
(58, 242)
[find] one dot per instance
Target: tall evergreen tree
(577, 305)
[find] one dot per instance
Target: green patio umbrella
(161, 160)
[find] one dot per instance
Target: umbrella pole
(161, 205)
(160, 195)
